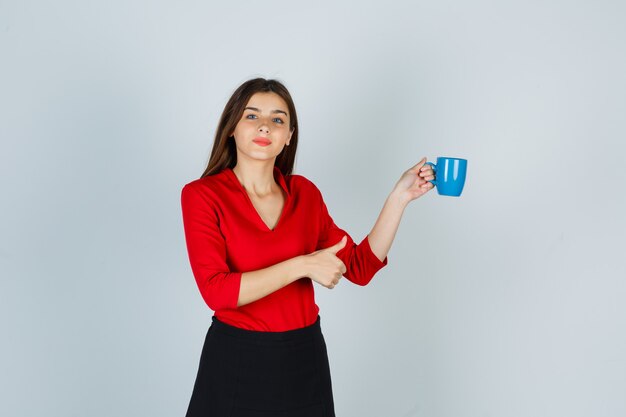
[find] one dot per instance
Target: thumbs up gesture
(324, 267)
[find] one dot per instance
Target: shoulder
(300, 183)
(207, 188)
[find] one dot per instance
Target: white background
(508, 301)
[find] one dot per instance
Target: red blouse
(226, 236)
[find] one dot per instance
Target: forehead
(267, 101)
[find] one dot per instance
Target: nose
(264, 128)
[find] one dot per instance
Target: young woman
(258, 236)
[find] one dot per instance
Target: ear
(289, 138)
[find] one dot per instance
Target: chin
(262, 157)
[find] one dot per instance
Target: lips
(262, 141)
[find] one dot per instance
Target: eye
(251, 116)
(278, 120)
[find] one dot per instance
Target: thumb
(416, 168)
(338, 246)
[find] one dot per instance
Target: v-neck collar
(280, 179)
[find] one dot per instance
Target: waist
(256, 335)
(292, 307)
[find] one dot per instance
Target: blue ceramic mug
(449, 175)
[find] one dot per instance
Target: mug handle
(433, 182)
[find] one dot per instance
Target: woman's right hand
(324, 267)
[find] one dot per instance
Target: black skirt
(245, 373)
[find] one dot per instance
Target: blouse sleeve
(361, 263)
(206, 248)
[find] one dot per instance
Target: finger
(338, 246)
(341, 267)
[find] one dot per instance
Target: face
(263, 130)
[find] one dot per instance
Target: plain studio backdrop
(508, 301)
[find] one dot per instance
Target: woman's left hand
(414, 182)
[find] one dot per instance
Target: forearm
(257, 284)
(384, 230)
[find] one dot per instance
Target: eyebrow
(273, 111)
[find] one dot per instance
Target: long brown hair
(224, 152)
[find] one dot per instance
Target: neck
(256, 177)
